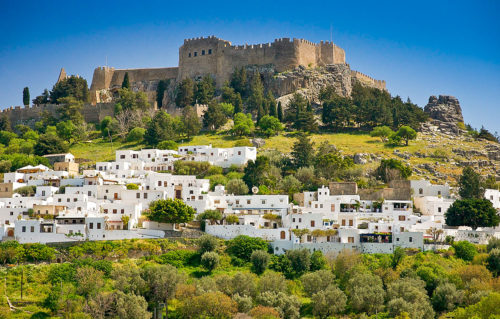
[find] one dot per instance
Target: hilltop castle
(286, 66)
(219, 58)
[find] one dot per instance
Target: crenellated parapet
(368, 80)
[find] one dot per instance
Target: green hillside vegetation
(214, 278)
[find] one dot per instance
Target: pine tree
(280, 112)
(26, 96)
(126, 82)
(272, 104)
(260, 113)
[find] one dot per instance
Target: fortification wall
(29, 115)
(200, 56)
(106, 77)
(368, 81)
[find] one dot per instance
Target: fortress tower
(211, 55)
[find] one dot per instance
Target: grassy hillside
(429, 155)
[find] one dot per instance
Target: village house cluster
(70, 204)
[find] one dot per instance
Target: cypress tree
(126, 82)
(280, 112)
(26, 96)
(238, 102)
(160, 90)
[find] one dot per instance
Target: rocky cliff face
(445, 115)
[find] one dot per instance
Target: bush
(465, 250)
(132, 186)
(26, 190)
(168, 145)
(178, 258)
(242, 246)
(237, 187)
(260, 260)
(210, 260)
(207, 243)
(136, 134)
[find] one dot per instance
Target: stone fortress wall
(211, 55)
(29, 115)
(205, 56)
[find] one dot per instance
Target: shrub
(210, 260)
(132, 186)
(178, 258)
(465, 250)
(168, 145)
(136, 134)
(207, 243)
(242, 246)
(260, 260)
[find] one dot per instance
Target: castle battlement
(380, 84)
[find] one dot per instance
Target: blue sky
(420, 48)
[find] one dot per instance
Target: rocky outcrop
(445, 115)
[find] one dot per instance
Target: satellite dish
(255, 189)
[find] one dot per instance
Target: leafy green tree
(70, 109)
(255, 171)
(318, 260)
(408, 295)
(329, 162)
(470, 185)
(287, 305)
(214, 116)
(207, 243)
(210, 260)
(406, 133)
(168, 145)
(170, 211)
(161, 282)
(126, 81)
(243, 124)
(493, 261)
(242, 246)
(185, 93)
(300, 260)
(204, 90)
(160, 92)
(317, 281)
(89, 280)
(446, 297)
(136, 134)
(108, 126)
(50, 144)
(130, 306)
(228, 109)
(260, 260)
(210, 214)
(473, 213)
(162, 127)
(72, 86)
(328, 302)
(381, 131)
(486, 308)
(191, 122)
(237, 187)
(130, 100)
(42, 99)
(302, 152)
(465, 250)
(392, 169)
(290, 185)
(366, 293)
(270, 125)
(397, 256)
(208, 305)
(26, 96)
(337, 112)
(65, 129)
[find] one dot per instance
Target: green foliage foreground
(213, 278)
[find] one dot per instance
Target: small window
(91, 225)
(122, 211)
(239, 152)
(439, 209)
(195, 53)
(420, 191)
(122, 156)
(202, 52)
(248, 201)
(115, 211)
(189, 55)
(98, 225)
(138, 195)
(209, 51)
(411, 239)
(24, 229)
(145, 195)
(32, 229)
